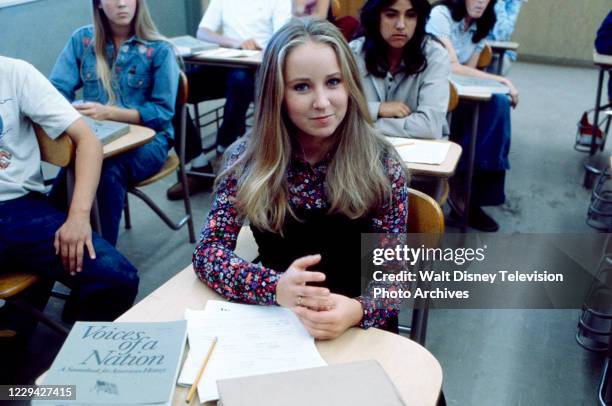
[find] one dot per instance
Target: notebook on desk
(187, 45)
(362, 383)
(470, 84)
(107, 131)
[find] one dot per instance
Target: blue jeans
(117, 173)
(492, 146)
(104, 289)
(236, 85)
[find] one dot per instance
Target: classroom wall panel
(37, 31)
(560, 31)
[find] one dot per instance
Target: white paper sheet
(471, 84)
(420, 151)
(252, 340)
(228, 53)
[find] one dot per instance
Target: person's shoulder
(11, 67)
(356, 45)
(235, 151)
(394, 168)
(434, 49)
(86, 31)
(440, 10)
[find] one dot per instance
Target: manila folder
(362, 383)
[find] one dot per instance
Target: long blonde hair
(356, 178)
(142, 26)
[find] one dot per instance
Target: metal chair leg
(126, 213)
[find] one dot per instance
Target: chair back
(486, 55)
(336, 8)
(180, 110)
(59, 151)
(424, 215)
(453, 100)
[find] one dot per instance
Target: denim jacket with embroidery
(144, 76)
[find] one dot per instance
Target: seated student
(245, 24)
(462, 26)
(128, 73)
(506, 13)
(603, 44)
(348, 25)
(404, 70)
(34, 235)
(311, 176)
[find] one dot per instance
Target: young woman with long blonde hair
(310, 178)
(128, 73)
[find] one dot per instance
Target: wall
(38, 31)
(560, 31)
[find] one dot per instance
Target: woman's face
(316, 97)
(120, 13)
(476, 8)
(397, 23)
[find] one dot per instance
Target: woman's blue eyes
(302, 87)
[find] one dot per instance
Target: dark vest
(336, 237)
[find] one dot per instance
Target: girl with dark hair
(404, 70)
(462, 26)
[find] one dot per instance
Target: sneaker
(194, 183)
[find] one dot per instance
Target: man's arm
(208, 35)
(75, 234)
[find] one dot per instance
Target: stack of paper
(252, 340)
(420, 151)
(229, 53)
(470, 84)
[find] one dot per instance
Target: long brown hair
(142, 26)
(356, 178)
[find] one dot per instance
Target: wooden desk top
(602, 60)
(414, 370)
(503, 45)
(137, 136)
(212, 58)
(444, 170)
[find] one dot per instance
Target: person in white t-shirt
(35, 235)
(238, 24)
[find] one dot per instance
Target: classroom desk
(500, 48)
(210, 58)
(414, 370)
(444, 170)
(474, 98)
(603, 63)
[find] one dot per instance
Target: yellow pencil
(193, 388)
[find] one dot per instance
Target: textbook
(187, 45)
(119, 363)
(470, 84)
(107, 131)
(362, 383)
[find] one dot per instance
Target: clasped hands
(325, 315)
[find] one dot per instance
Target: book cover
(120, 363)
(107, 131)
(188, 45)
(362, 383)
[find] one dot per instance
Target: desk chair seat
(173, 162)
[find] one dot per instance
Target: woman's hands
(325, 315)
(94, 110)
(291, 289)
(393, 109)
(329, 324)
(514, 94)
